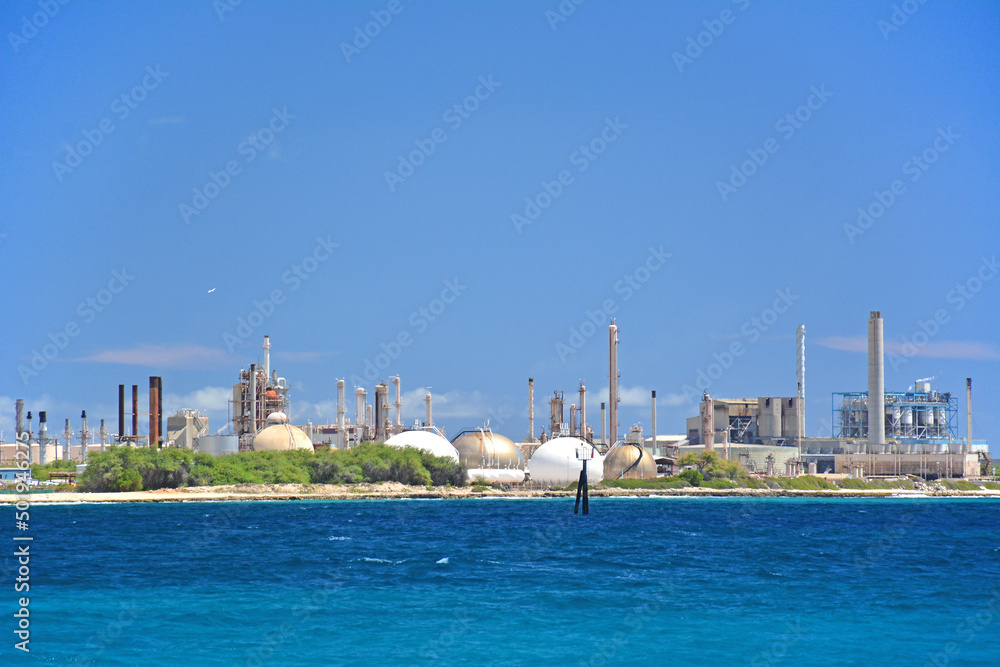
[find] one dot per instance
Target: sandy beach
(395, 491)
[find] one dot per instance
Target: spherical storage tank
(490, 457)
(279, 435)
(556, 463)
(432, 443)
(628, 461)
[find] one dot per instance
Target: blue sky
(465, 190)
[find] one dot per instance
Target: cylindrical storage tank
(942, 421)
(432, 443)
(217, 445)
(628, 461)
(907, 417)
(927, 416)
(487, 450)
(279, 435)
(497, 475)
(555, 463)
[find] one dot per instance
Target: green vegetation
(135, 469)
(43, 472)
(959, 485)
(800, 483)
(712, 466)
(655, 483)
(865, 485)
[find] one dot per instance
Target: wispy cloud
(164, 356)
(943, 349)
(167, 120)
(206, 398)
(640, 397)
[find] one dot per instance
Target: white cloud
(164, 356)
(944, 349)
(640, 397)
(205, 399)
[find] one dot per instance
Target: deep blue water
(640, 581)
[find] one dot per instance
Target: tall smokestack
(159, 410)
(341, 415)
(572, 419)
(653, 447)
(253, 398)
(800, 341)
(19, 420)
(604, 426)
(359, 406)
(104, 435)
(381, 411)
(84, 437)
(708, 421)
(121, 412)
(531, 409)
(430, 416)
(583, 410)
(267, 359)
(876, 384)
(154, 402)
(135, 410)
(968, 415)
(43, 436)
(613, 381)
(68, 443)
(398, 404)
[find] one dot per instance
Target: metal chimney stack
(253, 398)
(968, 415)
(381, 411)
(531, 409)
(121, 412)
(43, 436)
(708, 421)
(427, 400)
(359, 406)
(572, 420)
(398, 403)
(267, 360)
(84, 437)
(613, 381)
(104, 435)
(653, 446)
(800, 341)
(68, 442)
(583, 410)
(876, 384)
(341, 415)
(19, 421)
(604, 427)
(135, 412)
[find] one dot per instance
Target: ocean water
(640, 581)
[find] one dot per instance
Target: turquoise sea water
(639, 581)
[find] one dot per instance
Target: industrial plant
(875, 433)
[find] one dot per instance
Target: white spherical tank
(432, 443)
(555, 463)
(280, 435)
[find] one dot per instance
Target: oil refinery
(917, 433)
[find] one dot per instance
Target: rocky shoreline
(395, 491)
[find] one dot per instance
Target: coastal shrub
(719, 483)
(42, 472)
(692, 477)
(853, 483)
(654, 483)
(713, 466)
(172, 468)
